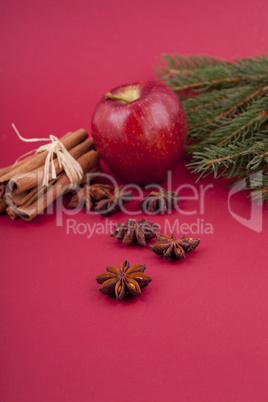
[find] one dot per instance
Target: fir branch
(200, 84)
(227, 111)
(204, 73)
(219, 160)
(263, 115)
(241, 125)
(216, 101)
(233, 109)
(177, 63)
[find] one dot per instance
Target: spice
(159, 202)
(126, 280)
(114, 202)
(133, 232)
(89, 194)
(3, 205)
(172, 247)
(27, 205)
(21, 184)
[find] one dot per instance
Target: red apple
(140, 130)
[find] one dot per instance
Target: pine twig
(227, 111)
(232, 109)
(262, 115)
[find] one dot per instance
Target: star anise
(114, 202)
(173, 248)
(126, 280)
(89, 194)
(133, 232)
(158, 202)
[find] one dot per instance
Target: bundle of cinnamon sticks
(22, 193)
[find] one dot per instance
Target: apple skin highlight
(142, 139)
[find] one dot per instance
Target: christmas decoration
(159, 202)
(89, 195)
(227, 111)
(29, 186)
(114, 202)
(173, 248)
(139, 131)
(126, 280)
(133, 232)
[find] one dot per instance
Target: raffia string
(71, 167)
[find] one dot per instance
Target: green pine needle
(227, 112)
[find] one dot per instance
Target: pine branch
(204, 73)
(227, 111)
(179, 63)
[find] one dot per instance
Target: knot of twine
(71, 167)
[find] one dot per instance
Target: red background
(199, 331)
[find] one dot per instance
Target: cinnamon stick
(45, 196)
(24, 165)
(25, 181)
(69, 140)
(3, 206)
(7, 169)
(2, 190)
(13, 215)
(21, 198)
(96, 171)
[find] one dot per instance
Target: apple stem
(109, 95)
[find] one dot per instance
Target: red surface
(199, 331)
